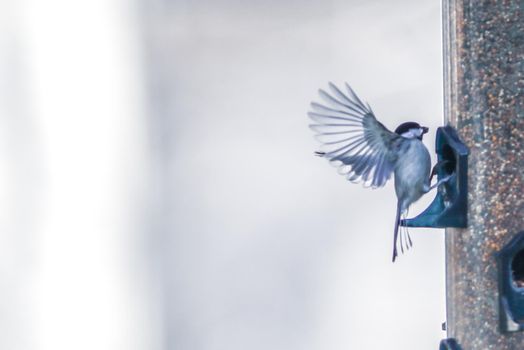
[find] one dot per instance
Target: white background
(158, 188)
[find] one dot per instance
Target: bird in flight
(365, 151)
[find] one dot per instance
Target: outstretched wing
(352, 138)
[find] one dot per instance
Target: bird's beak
(424, 130)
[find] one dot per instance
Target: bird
(365, 151)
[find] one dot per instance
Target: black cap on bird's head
(411, 130)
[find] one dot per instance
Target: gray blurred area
(264, 246)
(158, 184)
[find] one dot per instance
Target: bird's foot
(438, 166)
(441, 181)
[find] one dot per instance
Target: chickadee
(365, 151)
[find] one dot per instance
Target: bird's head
(411, 130)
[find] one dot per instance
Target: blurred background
(158, 188)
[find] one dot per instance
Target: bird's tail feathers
(405, 239)
(401, 234)
(395, 232)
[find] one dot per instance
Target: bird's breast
(412, 170)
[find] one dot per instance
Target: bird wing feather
(352, 138)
